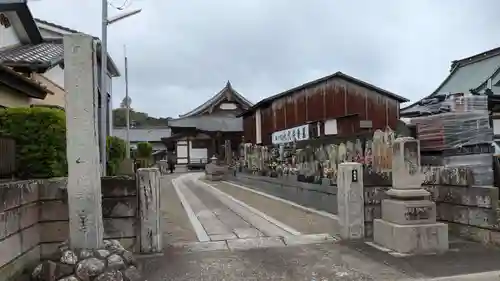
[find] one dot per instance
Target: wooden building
(206, 130)
(337, 104)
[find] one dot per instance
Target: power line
(121, 7)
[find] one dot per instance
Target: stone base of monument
(111, 263)
(214, 172)
(411, 238)
(410, 227)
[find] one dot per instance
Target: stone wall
(34, 219)
(317, 196)
(469, 211)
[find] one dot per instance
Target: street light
(104, 67)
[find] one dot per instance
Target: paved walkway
(224, 231)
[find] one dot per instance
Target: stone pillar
(228, 152)
(163, 165)
(350, 201)
(84, 177)
(408, 223)
(150, 236)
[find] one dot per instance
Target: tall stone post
(88, 256)
(350, 201)
(150, 237)
(408, 223)
(228, 152)
(84, 180)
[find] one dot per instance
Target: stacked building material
(459, 138)
(453, 130)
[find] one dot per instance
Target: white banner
(299, 133)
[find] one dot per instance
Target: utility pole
(104, 86)
(104, 77)
(127, 111)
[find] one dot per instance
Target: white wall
(197, 154)
(182, 151)
(56, 75)
(331, 127)
(8, 36)
(496, 126)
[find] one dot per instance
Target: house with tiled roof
(34, 49)
(212, 128)
(18, 89)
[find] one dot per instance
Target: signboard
(299, 133)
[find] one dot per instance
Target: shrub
(144, 150)
(40, 135)
(143, 155)
(116, 150)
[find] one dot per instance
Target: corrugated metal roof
(44, 54)
(140, 135)
(209, 123)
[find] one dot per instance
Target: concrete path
(226, 231)
(221, 221)
(215, 232)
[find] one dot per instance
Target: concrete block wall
(34, 219)
(19, 229)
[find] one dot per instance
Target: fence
(7, 157)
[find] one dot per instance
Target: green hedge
(40, 135)
(116, 148)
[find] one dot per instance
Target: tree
(137, 119)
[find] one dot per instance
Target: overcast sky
(182, 52)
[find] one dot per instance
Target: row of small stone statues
(375, 154)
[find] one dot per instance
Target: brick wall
(34, 219)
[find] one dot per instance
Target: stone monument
(408, 223)
(214, 171)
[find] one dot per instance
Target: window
(199, 144)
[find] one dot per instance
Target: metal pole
(104, 86)
(127, 116)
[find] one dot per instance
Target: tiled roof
(208, 123)
(113, 68)
(467, 74)
(31, 82)
(138, 135)
(44, 54)
(57, 26)
(228, 89)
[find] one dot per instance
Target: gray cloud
(183, 52)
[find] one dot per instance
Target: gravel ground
(323, 262)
